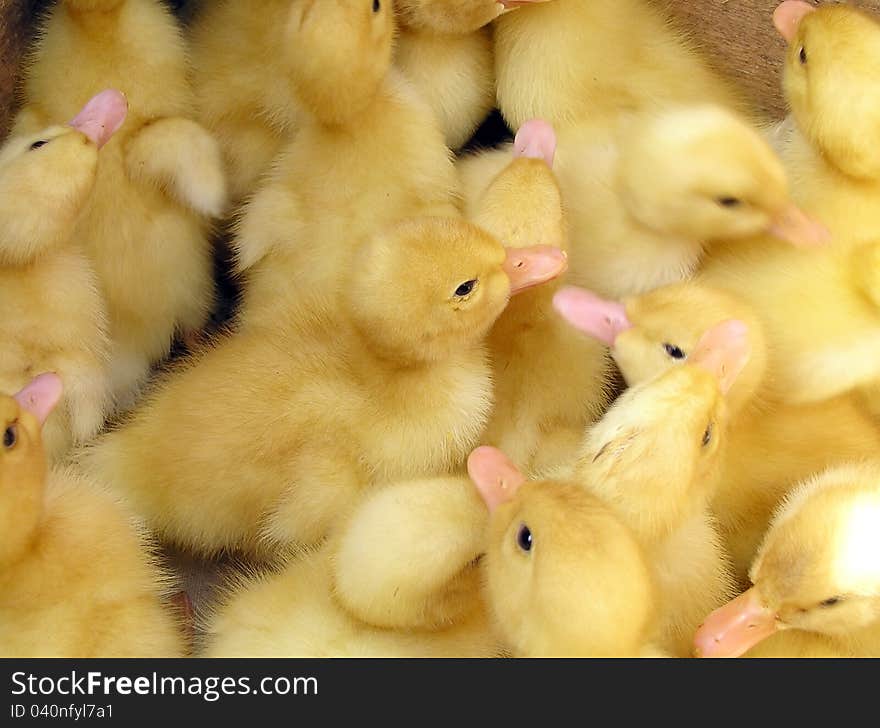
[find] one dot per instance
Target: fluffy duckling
(530, 344)
(634, 59)
(831, 85)
(771, 445)
(564, 575)
(159, 179)
(630, 235)
(445, 50)
(816, 577)
(368, 153)
(401, 390)
(295, 614)
(76, 575)
(654, 459)
(55, 318)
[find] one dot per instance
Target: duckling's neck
(527, 310)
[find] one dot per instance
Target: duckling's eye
(466, 288)
(37, 145)
(10, 437)
(524, 538)
(377, 6)
(729, 202)
(707, 435)
(830, 602)
(674, 351)
(803, 56)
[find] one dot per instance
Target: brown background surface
(738, 37)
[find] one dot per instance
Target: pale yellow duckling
(655, 458)
(570, 61)
(816, 577)
(284, 429)
(77, 575)
(295, 614)
(629, 234)
(369, 153)
(159, 179)
(832, 87)
(565, 576)
(772, 445)
(55, 318)
(550, 382)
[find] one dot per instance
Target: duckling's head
(46, 178)
(430, 287)
(339, 52)
(661, 441)
(564, 575)
(22, 462)
(817, 569)
(831, 82)
(704, 174)
(660, 329)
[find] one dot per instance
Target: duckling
(55, 318)
(77, 578)
(294, 613)
(772, 445)
(564, 575)
(816, 576)
(159, 179)
(368, 153)
(654, 459)
(629, 235)
(244, 94)
(550, 383)
(831, 86)
(401, 390)
(634, 60)
(445, 50)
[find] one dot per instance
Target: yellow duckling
(832, 88)
(629, 235)
(55, 318)
(295, 614)
(570, 61)
(445, 50)
(550, 383)
(564, 575)
(816, 577)
(159, 179)
(771, 445)
(369, 153)
(283, 429)
(654, 458)
(77, 578)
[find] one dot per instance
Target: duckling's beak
(40, 396)
(794, 226)
(102, 116)
(788, 16)
(736, 627)
(723, 351)
(529, 267)
(583, 309)
(536, 139)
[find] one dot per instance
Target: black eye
(729, 201)
(10, 437)
(465, 289)
(37, 145)
(830, 602)
(707, 436)
(674, 351)
(377, 6)
(524, 538)
(803, 56)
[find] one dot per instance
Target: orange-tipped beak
(794, 226)
(529, 267)
(735, 628)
